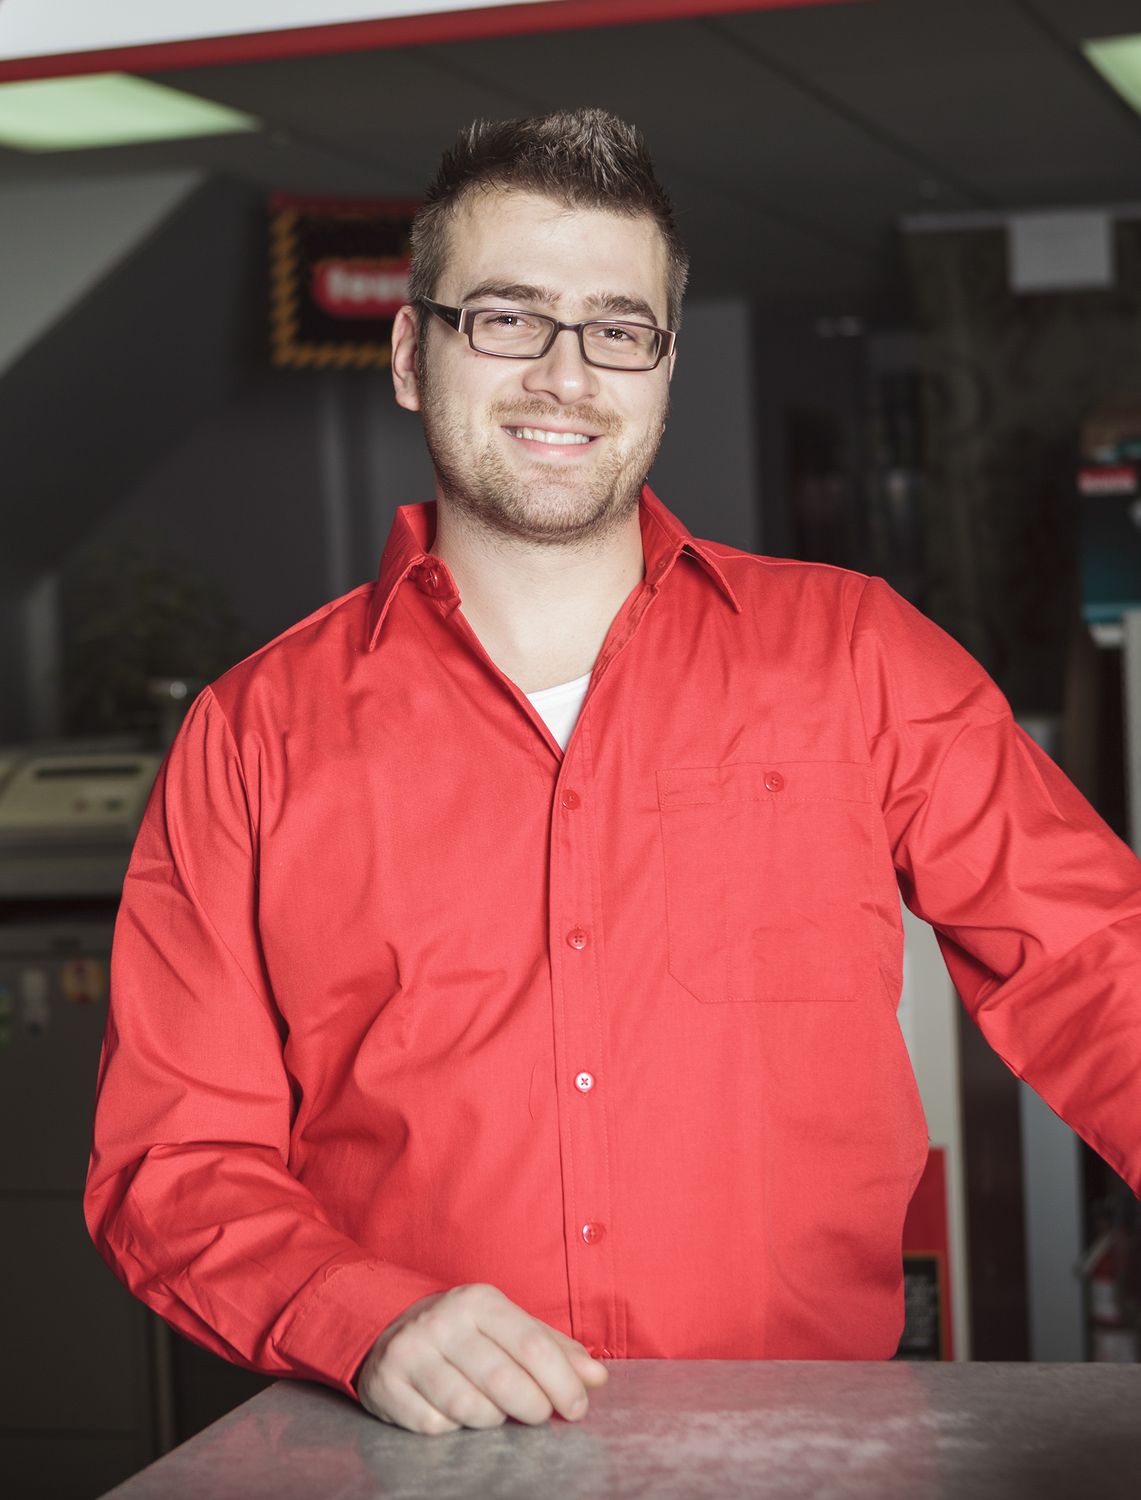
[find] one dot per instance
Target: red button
(774, 781)
(432, 579)
(571, 799)
(577, 938)
(600, 1351)
(592, 1233)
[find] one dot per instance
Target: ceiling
(793, 142)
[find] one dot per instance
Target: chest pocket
(768, 870)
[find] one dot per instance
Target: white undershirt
(559, 706)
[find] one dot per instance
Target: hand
(469, 1357)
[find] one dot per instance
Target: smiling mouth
(552, 439)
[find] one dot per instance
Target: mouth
(551, 439)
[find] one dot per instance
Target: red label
(1118, 479)
(358, 287)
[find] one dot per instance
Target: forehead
(513, 238)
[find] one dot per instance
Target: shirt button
(584, 1082)
(774, 781)
(592, 1233)
(432, 580)
(571, 799)
(600, 1351)
(577, 938)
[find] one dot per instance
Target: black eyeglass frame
(463, 318)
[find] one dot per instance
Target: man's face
(513, 249)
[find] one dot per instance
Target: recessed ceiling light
(1118, 60)
(107, 109)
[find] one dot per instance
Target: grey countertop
(677, 1430)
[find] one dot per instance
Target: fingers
(537, 1352)
(421, 1388)
(470, 1357)
(516, 1386)
(457, 1394)
(592, 1371)
(406, 1407)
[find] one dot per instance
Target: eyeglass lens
(623, 346)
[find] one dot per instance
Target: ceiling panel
(710, 111)
(1082, 20)
(346, 93)
(977, 86)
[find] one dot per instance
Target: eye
(624, 336)
(508, 321)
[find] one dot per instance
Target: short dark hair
(581, 158)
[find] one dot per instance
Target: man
(506, 974)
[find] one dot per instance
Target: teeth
(537, 435)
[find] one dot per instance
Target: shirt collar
(408, 555)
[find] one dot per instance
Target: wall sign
(338, 275)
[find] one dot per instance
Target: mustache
(522, 413)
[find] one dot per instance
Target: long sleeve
(1035, 902)
(190, 1198)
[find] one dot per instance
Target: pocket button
(774, 781)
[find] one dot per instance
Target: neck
(540, 610)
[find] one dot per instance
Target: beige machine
(67, 819)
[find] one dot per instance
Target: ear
(405, 343)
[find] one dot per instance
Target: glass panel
(632, 345)
(499, 332)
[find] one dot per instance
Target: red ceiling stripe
(362, 36)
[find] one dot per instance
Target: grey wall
(109, 387)
(59, 238)
(708, 470)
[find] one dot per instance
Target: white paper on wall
(1060, 252)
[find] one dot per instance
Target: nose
(562, 374)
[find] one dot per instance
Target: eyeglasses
(509, 333)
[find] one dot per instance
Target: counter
(680, 1429)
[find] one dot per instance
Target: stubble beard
(553, 505)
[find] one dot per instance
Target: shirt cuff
(330, 1335)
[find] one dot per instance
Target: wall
(59, 238)
(708, 470)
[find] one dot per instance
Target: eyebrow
(614, 304)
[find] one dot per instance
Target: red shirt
(404, 997)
